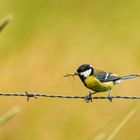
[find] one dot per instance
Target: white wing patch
(86, 73)
(106, 76)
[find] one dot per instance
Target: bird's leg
(109, 96)
(88, 97)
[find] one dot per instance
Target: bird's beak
(75, 74)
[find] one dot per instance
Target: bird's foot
(110, 98)
(88, 98)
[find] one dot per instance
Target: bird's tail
(131, 76)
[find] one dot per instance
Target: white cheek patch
(86, 73)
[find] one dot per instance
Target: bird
(99, 80)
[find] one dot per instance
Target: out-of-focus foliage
(4, 22)
(47, 39)
(9, 115)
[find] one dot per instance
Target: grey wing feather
(105, 76)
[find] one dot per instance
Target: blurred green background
(47, 39)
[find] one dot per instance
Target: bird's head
(84, 71)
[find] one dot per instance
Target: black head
(85, 70)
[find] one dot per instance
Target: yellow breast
(96, 85)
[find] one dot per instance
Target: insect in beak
(70, 74)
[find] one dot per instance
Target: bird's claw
(110, 98)
(88, 98)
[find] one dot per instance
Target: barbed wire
(35, 95)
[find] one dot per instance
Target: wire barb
(29, 95)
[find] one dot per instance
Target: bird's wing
(105, 76)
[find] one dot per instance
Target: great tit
(98, 80)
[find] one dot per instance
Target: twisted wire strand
(35, 95)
